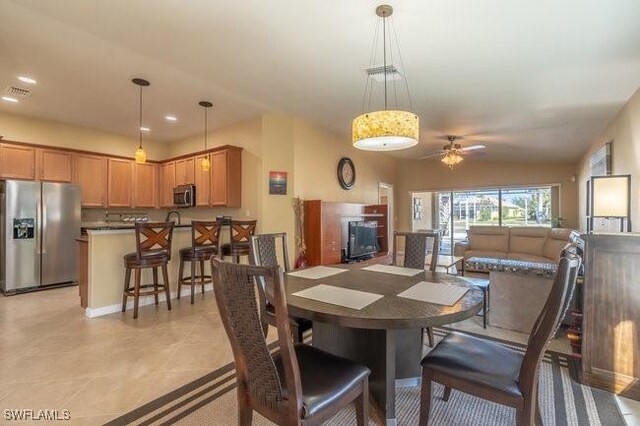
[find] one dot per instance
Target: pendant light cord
(205, 128)
(140, 127)
(384, 54)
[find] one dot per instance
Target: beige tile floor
(55, 358)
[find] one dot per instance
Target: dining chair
(205, 237)
(416, 247)
(153, 250)
(489, 370)
(298, 384)
(264, 252)
(240, 233)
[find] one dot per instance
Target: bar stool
(153, 250)
(241, 231)
(204, 245)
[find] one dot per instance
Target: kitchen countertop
(105, 226)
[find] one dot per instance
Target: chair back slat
(242, 230)
(548, 321)
(264, 250)
(153, 238)
(416, 247)
(235, 292)
(205, 234)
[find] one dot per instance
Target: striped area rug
(211, 400)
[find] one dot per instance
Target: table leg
(393, 356)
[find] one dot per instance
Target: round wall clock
(346, 173)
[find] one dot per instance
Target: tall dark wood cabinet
(325, 224)
(611, 313)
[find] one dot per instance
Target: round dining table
(386, 335)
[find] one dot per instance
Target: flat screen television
(362, 239)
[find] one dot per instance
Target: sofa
(525, 243)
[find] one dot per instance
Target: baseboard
(144, 301)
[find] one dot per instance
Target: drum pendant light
(140, 155)
(205, 163)
(388, 129)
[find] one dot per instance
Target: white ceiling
(534, 80)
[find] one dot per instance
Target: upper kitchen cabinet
(120, 182)
(167, 183)
(185, 171)
(17, 161)
(145, 185)
(91, 175)
(203, 182)
(226, 177)
(54, 165)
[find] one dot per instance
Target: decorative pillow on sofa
(528, 240)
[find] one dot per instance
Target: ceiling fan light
(387, 130)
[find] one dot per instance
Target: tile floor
(55, 358)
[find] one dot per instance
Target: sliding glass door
(458, 210)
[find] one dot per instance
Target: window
(458, 210)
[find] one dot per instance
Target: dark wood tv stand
(323, 228)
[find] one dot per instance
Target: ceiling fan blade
(432, 155)
(473, 154)
(472, 147)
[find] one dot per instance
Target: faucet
(166, 219)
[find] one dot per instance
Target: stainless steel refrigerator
(39, 224)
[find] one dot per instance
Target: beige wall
(427, 211)
(20, 128)
(317, 153)
(432, 175)
(624, 131)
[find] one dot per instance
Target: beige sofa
(527, 243)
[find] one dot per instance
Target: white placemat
(316, 272)
(395, 270)
(339, 296)
(441, 294)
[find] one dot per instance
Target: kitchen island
(104, 274)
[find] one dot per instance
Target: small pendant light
(140, 155)
(205, 163)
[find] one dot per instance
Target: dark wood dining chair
(153, 250)
(416, 247)
(205, 238)
(297, 385)
(489, 370)
(240, 231)
(264, 252)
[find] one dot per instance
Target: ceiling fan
(453, 153)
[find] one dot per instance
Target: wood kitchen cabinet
(203, 182)
(185, 171)
(226, 177)
(145, 185)
(91, 175)
(54, 165)
(17, 162)
(119, 182)
(167, 183)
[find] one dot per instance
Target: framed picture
(600, 161)
(417, 208)
(277, 183)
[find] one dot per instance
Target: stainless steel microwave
(184, 196)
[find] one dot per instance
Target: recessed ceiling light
(28, 80)
(171, 118)
(9, 99)
(145, 129)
